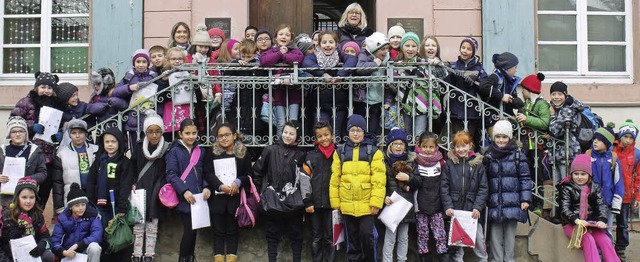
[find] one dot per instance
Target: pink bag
(181, 112)
(247, 212)
(168, 196)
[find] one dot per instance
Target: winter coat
(464, 183)
(629, 165)
(474, 70)
(320, 168)
(11, 230)
(509, 187)
(68, 231)
(273, 56)
(494, 87)
(348, 33)
(121, 183)
(326, 95)
(569, 202)
(428, 187)
(375, 91)
(70, 112)
(29, 106)
(36, 167)
(357, 185)
(277, 166)
(122, 91)
(177, 160)
(609, 180)
(392, 186)
(67, 171)
(152, 180)
(103, 106)
(414, 95)
(223, 203)
(569, 112)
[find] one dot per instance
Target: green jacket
(538, 114)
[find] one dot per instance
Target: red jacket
(629, 165)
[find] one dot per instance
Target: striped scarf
(584, 202)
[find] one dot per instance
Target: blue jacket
(326, 95)
(83, 230)
(475, 71)
(610, 181)
(177, 160)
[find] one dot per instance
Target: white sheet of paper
(226, 171)
(50, 119)
(142, 94)
(200, 213)
(468, 223)
(79, 257)
(138, 199)
(392, 215)
(14, 168)
(20, 249)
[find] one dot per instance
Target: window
(585, 41)
(44, 35)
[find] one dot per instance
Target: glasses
(356, 131)
(154, 133)
(18, 132)
(397, 144)
(177, 59)
(354, 13)
(225, 136)
(263, 40)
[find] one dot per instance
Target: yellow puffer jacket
(356, 185)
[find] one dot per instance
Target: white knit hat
(17, 121)
(396, 30)
(376, 41)
(152, 119)
(503, 127)
(201, 37)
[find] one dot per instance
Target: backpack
(341, 152)
(587, 125)
(614, 160)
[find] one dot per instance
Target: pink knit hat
(216, 32)
(352, 44)
(581, 163)
(230, 45)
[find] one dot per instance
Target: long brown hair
(172, 42)
(422, 53)
(35, 213)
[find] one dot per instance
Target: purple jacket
(122, 91)
(103, 106)
(29, 108)
(274, 56)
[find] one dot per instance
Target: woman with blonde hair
(353, 25)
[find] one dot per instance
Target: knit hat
(581, 162)
(316, 32)
(503, 127)
(25, 182)
(396, 133)
(628, 127)
(152, 119)
(505, 60)
(263, 31)
(76, 196)
(45, 78)
(64, 91)
(559, 87)
(533, 83)
(140, 53)
(473, 42)
(201, 37)
(606, 135)
(216, 32)
(77, 124)
(17, 121)
(410, 36)
(353, 45)
(375, 41)
(303, 42)
(230, 45)
(356, 120)
(396, 30)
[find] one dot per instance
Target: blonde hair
(170, 52)
(354, 7)
(224, 56)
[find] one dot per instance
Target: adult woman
(180, 36)
(353, 25)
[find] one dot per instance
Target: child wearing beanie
(375, 54)
(73, 108)
(582, 204)
(200, 48)
(395, 35)
(499, 89)
(351, 48)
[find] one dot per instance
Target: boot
(443, 257)
(135, 259)
(190, 258)
(182, 259)
(218, 258)
(231, 258)
(620, 253)
(147, 259)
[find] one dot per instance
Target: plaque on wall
(222, 23)
(415, 25)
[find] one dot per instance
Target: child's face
(626, 140)
(283, 37)
(598, 145)
(382, 52)
(26, 200)
(501, 140)
(315, 39)
(409, 49)
(225, 137)
(328, 44)
(153, 134)
(216, 41)
(74, 99)
(248, 57)
(176, 59)
(250, 34)
(181, 36)
(78, 136)
(394, 41)
(512, 71)
(17, 135)
(324, 136)
(44, 90)
(289, 135)
(463, 150)
(235, 51)
(202, 49)
(78, 209)
(189, 135)
(430, 48)
(350, 51)
(356, 134)
(157, 59)
(466, 51)
(558, 98)
(397, 147)
(428, 147)
(110, 144)
(263, 42)
(141, 64)
(580, 177)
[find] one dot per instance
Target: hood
(475, 159)
(119, 136)
(239, 150)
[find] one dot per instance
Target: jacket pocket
(346, 192)
(365, 192)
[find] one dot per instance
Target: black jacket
(320, 168)
(224, 203)
(428, 197)
(464, 184)
(392, 185)
(152, 180)
(569, 202)
(277, 166)
(11, 230)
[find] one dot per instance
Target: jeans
(281, 115)
(622, 231)
(415, 128)
(503, 241)
(402, 233)
(479, 249)
(322, 230)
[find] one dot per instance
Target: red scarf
(326, 151)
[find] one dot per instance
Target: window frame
(582, 75)
(45, 46)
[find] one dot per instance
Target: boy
(250, 32)
(157, 56)
(629, 156)
(376, 54)
(78, 229)
(72, 163)
(318, 165)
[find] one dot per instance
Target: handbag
(167, 195)
(287, 200)
(118, 235)
(247, 212)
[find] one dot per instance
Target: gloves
(81, 246)
(57, 137)
(38, 128)
(39, 249)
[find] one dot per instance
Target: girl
(263, 41)
(582, 203)
(430, 51)
(426, 179)
(229, 52)
(216, 37)
(398, 162)
(200, 49)
(180, 36)
(149, 165)
(182, 152)
(353, 25)
(24, 218)
(509, 190)
(327, 56)
(375, 54)
(102, 105)
(175, 58)
(226, 200)
(73, 108)
(395, 35)
(276, 167)
(286, 99)
(351, 48)
(464, 187)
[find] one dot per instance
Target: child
(305, 44)
(227, 199)
(286, 99)
(629, 157)
(72, 162)
(464, 186)
(581, 203)
(264, 41)
(157, 54)
(351, 48)
(395, 35)
(18, 147)
(250, 32)
(315, 38)
(102, 105)
(318, 164)
(229, 52)
(276, 167)
(149, 168)
(374, 55)
(180, 36)
(172, 114)
(216, 37)
(79, 229)
(499, 89)
(357, 188)
(509, 190)
(200, 49)
(25, 218)
(182, 152)
(426, 180)
(399, 164)
(430, 52)
(73, 108)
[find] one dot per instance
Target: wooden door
(268, 14)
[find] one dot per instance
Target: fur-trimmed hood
(239, 149)
(475, 161)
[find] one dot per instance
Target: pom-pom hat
(533, 83)
(76, 196)
(628, 127)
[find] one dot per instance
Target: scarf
(326, 151)
(327, 61)
(427, 160)
(584, 202)
(157, 153)
(25, 222)
(354, 31)
(499, 153)
(392, 158)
